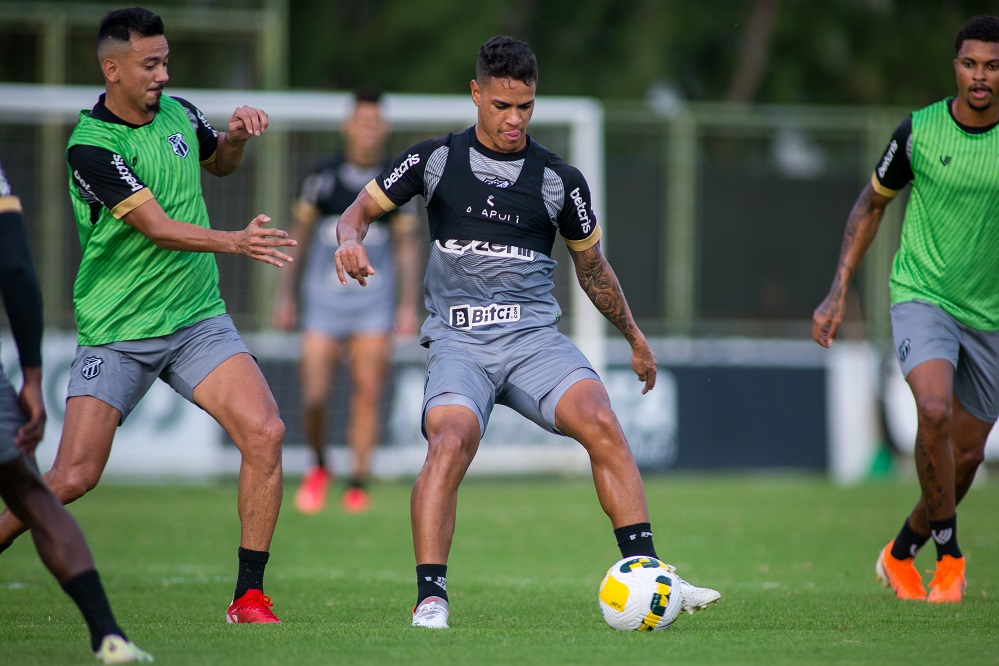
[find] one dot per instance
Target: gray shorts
(343, 322)
(120, 373)
(527, 371)
(924, 332)
(11, 418)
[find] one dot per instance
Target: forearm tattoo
(598, 280)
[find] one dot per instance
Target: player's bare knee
(969, 459)
(934, 413)
(271, 432)
(449, 448)
(72, 484)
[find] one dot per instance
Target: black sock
(5, 546)
(357, 482)
(87, 592)
(251, 571)
(944, 533)
(431, 581)
(635, 540)
(908, 542)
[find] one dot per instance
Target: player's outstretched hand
(826, 320)
(261, 243)
(352, 259)
(643, 362)
(246, 122)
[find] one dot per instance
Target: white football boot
(431, 613)
(695, 598)
(116, 650)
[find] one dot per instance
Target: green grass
(793, 557)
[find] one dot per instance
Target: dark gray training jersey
(493, 220)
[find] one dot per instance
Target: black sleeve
(208, 138)
(22, 297)
(404, 178)
(102, 176)
(894, 169)
(576, 220)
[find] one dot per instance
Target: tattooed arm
(861, 227)
(598, 280)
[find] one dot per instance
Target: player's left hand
(30, 398)
(246, 122)
(643, 362)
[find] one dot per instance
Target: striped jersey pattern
(949, 251)
(126, 287)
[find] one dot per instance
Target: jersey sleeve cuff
(585, 243)
(375, 192)
(881, 189)
(10, 204)
(131, 203)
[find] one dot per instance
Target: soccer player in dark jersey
(347, 321)
(146, 295)
(945, 299)
(57, 536)
(495, 200)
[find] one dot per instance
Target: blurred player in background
(346, 321)
(146, 296)
(945, 299)
(495, 200)
(57, 536)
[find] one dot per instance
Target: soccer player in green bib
(146, 295)
(945, 299)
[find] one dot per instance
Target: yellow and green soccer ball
(640, 594)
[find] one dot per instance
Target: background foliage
(889, 52)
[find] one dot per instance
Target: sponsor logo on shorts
(903, 350)
(945, 159)
(125, 173)
(91, 367)
(180, 147)
(467, 317)
(484, 248)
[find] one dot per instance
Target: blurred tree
(770, 51)
(797, 51)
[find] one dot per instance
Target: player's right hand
(351, 259)
(826, 320)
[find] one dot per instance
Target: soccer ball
(640, 594)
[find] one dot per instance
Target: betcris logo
(889, 156)
(581, 212)
(398, 172)
(118, 162)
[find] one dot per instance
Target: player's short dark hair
(507, 58)
(121, 24)
(367, 94)
(980, 28)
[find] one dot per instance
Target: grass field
(793, 557)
